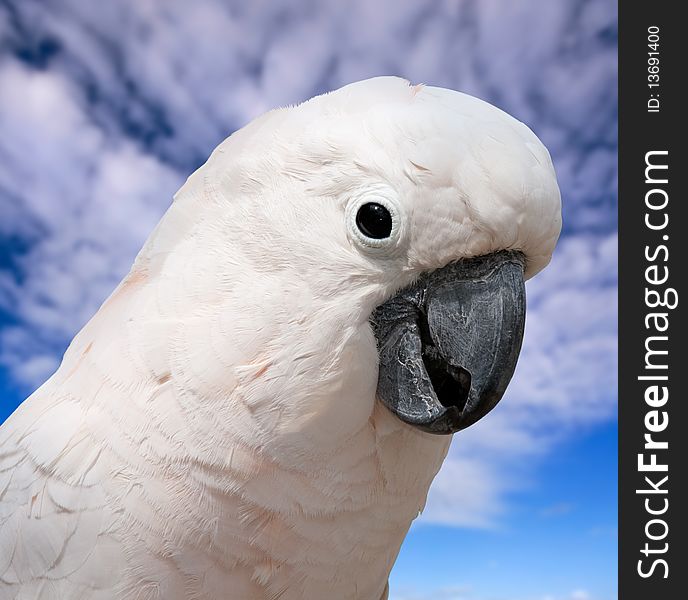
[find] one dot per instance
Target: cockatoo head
(369, 245)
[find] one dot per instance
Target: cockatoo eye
(374, 221)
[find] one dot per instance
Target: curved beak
(448, 344)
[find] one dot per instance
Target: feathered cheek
(335, 401)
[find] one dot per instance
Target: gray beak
(448, 344)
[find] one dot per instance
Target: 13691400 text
(653, 68)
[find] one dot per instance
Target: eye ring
(380, 215)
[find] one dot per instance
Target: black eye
(374, 221)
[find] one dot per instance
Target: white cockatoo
(254, 413)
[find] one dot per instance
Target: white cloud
(86, 202)
(105, 109)
(467, 593)
(444, 593)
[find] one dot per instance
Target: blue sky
(105, 108)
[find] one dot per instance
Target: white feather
(213, 430)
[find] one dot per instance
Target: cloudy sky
(105, 108)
